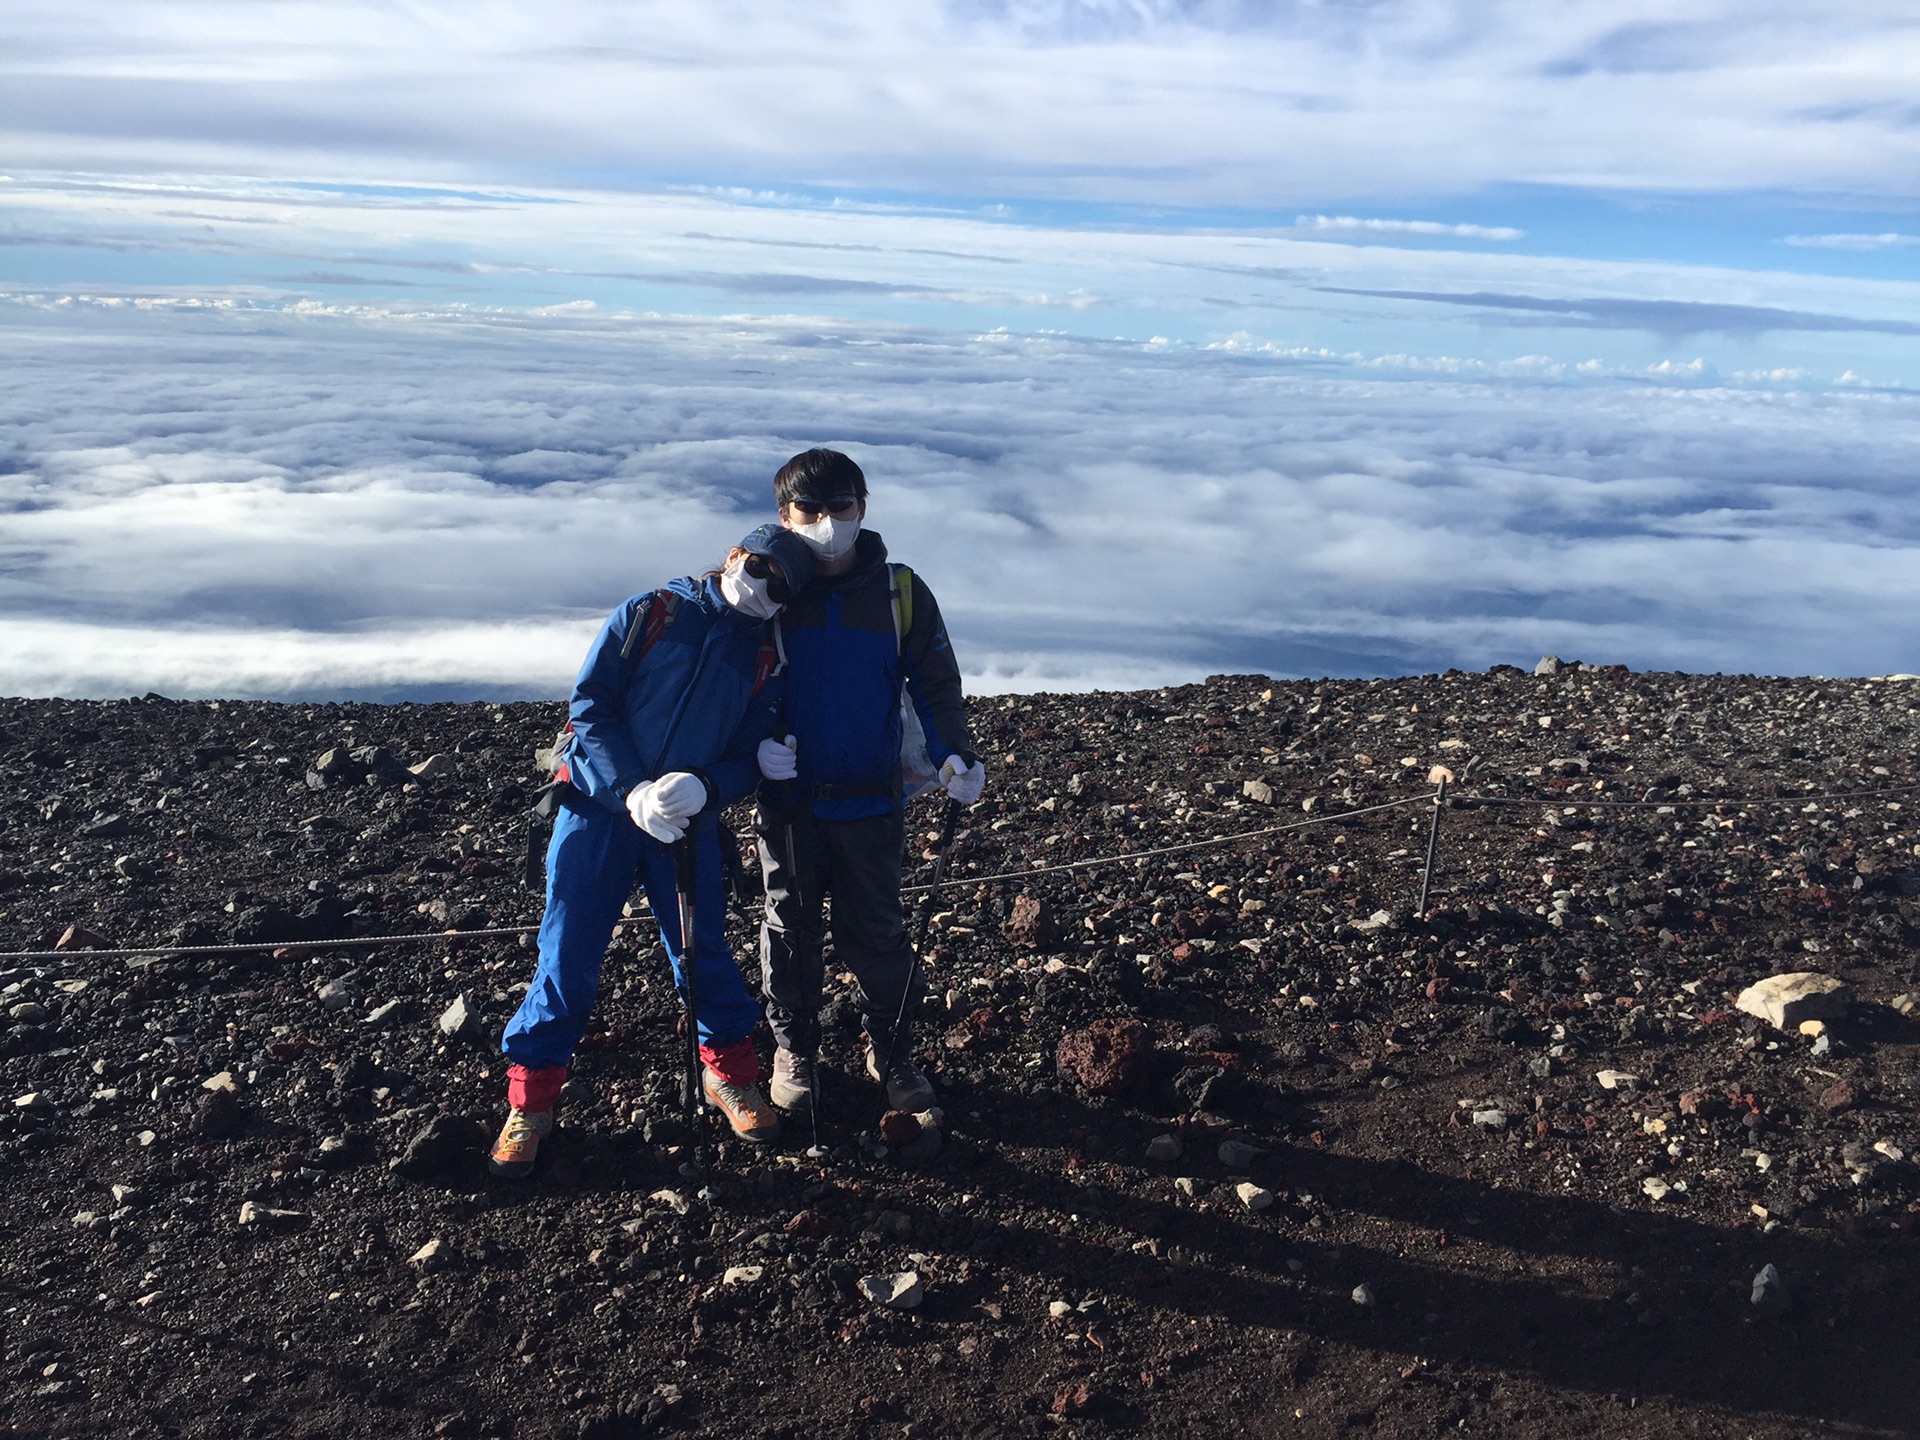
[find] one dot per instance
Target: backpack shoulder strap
(650, 622)
(902, 604)
(772, 658)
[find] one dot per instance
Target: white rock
(429, 1256)
(454, 1018)
(1490, 1119)
(223, 1081)
(1059, 1309)
(1783, 1001)
(743, 1274)
(898, 1291)
(1187, 1186)
(1254, 1197)
(1618, 1080)
(386, 1014)
(268, 1218)
(673, 1199)
(1654, 1188)
(1363, 1296)
(434, 767)
(1907, 1004)
(1257, 791)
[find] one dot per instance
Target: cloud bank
(1115, 100)
(225, 498)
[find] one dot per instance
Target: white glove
(663, 807)
(778, 761)
(964, 783)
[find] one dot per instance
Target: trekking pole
(686, 874)
(815, 1151)
(948, 826)
(1440, 778)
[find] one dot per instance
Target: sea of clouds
(288, 498)
(377, 350)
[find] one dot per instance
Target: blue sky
(1429, 333)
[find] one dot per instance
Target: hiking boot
(749, 1116)
(793, 1081)
(907, 1088)
(519, 1143)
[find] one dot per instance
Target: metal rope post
(1441, 775)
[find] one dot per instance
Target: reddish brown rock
(898, 1128)
(1706, 1104)
(1840, 1097)
(1032, 926)
(78, 937)
(810, 1225)
(1107, 1057)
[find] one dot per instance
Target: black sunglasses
(761, 568)
(840, 506)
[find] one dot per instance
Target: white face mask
(827, 537)
(746, 594)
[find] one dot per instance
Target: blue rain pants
(591, 864)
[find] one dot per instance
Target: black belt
(887, 789)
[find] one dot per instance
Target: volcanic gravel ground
(1467, 1231)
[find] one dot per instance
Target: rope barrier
(1854, 796)
(1181, 848)
(1436, 798)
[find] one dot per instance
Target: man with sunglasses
(831, 822)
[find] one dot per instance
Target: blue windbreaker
(702, 698)
(844, 673)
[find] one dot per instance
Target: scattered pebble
(900, 1290)
(1254, 1197)
(1239, 1154)
(1770, 1293)
(1165, 1149)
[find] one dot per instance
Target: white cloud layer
(319, 500)
(1885, 240)
(1337, 224)
(1132, 100)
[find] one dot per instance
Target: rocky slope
(1234, 1141)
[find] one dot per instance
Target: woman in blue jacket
(678, 689)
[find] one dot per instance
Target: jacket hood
(869, 554)
(704, 591)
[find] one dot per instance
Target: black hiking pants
(848, 873)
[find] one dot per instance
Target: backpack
(918, 773)
(651, 621)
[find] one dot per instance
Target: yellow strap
(902, 604)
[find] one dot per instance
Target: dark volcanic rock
(447, 1143)
(217, 1116)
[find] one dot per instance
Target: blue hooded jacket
(701, 698)
(846, 667)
